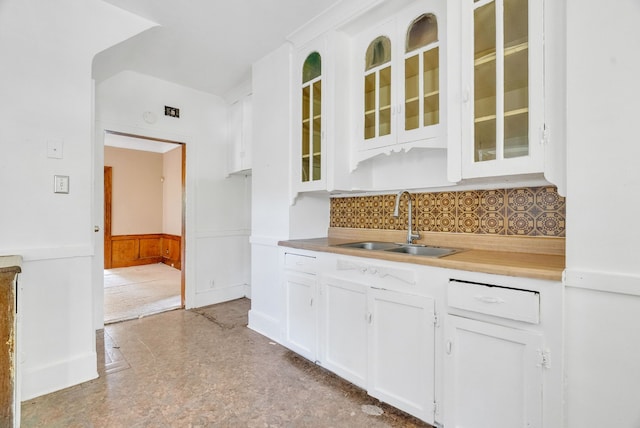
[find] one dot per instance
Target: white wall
(603, 185)
(270, 186)
(172, 192)
(45, 82)
(137, 191)
(216, 260)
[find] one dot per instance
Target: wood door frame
(108, 182)
(107, 206)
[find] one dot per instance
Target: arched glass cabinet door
(422, 73)
(311, 167)
(377, 89)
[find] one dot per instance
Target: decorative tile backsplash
(529, 211)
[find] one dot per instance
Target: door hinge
(436, 409)
(436, 320)
(544, 135)
(544, 358)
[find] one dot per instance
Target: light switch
(61, 184)
(54, 149)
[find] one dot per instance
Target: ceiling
(208, 45)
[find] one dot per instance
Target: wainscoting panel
(136, 250)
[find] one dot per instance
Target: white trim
(50, 253)
(219, 295)
(267, 241)
(264, 324)
(337, 15)
(222, 233)
(54, 377)
(609, 282)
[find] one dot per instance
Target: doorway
(144, 226)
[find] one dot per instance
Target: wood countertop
(511, 263)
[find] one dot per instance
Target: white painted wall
(45, 82)
(270, 186)
(603, 185)
(172, 192)
(217, 232)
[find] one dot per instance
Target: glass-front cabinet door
(377, 113)
(420, 109)
(311, 120)
(399, 86)
(502, 87)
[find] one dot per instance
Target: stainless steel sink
(413, 249)
(370, 245)
(420, 250)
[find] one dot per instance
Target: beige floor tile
(205, 368)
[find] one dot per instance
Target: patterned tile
(492, 200)
(468, 222)
(426, 221)
(446, 202)
(550, 224)
(537, 211)
(521, 223)
(426, 202)
(520, 200)
(468, 201)
(547, 199)
(492, 223)
(445, 222)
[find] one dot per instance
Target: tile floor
(136, 291)
(205, 368)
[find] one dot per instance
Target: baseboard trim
(43, 380)
(219, 295)
(264, 324)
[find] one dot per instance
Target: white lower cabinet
(300, 314)
(401, 351)
(382, 341)
(494, 360)
(343, 329)
(494, 376)
(379, 335)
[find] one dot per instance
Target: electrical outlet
(212, 283)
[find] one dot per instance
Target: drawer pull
(489, 299)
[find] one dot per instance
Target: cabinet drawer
(299, 262)
(519, 305)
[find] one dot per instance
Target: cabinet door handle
(465, 95)
(369, 317)
(489, 299)
(449, 345)
(311, 302)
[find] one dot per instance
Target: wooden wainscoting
(135, 250)
(171, 250)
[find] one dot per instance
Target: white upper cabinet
(319, 155)
(239, 124)
(309, 83)
(399, 80)
(502, 88)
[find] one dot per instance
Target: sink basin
(413, 249)
(418, 250)
(370, 245)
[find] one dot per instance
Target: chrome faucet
(396, 212)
